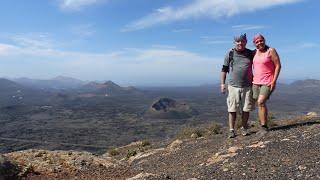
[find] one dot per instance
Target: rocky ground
(288, 151)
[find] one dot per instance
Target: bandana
(257, 36)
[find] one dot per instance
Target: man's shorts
(240, 99)
(261, 90)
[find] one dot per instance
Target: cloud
(216, 40)
(306, 45)
(83, 30)
(162, 64)
(32, 40)
(6, 49)
(77, 4)
(160, 46)
(300, 46)
(181, 30)
(214, 9)
(247, 27)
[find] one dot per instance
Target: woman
(266, 69)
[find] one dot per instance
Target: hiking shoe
(244, 131)
(232, 134)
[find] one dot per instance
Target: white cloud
(181, 30)
(6, 49)
(299, 47)
(83, 30)
(161, 46)
(305, 45)
(77, 4)
(158, 64)
(32, 40)
(216, 40)
(247, 27)
(214, 9)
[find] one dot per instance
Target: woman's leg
(262, 110)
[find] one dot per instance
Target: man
(238, 65)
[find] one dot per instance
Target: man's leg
(248, 105)
(245, 117)
(232, 120)
(244, 128)
(233, 105)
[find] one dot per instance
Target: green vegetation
(199, 132)
(145, 143)
(187, 132)
(196, 132)
(131, 153)
(113, 152)
(272, 120)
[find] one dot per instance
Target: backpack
(231, 53)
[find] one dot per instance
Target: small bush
(199, 132)
(186, 132)
(271, 120)
(113, 152)
(215, 128)
(145, 143)
(131, 153)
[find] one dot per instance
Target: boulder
(312, 114)
(7, 169)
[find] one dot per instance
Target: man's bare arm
(223, 81)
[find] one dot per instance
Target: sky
(156, 43)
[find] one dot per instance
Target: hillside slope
(288, 151)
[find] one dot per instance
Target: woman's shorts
(240, 99)
(261, 90)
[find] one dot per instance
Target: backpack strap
(231, 53)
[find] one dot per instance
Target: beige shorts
(240, 99)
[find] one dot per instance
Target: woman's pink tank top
(263, 68)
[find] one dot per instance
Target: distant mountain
(12, 93)
(9, 86)
(59, 82)
(108, 88)
(111, 84)
(306, 83)
(63, 79)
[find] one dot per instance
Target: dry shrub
(131, 153)
(113, 152)
(215, 128)
(186, 132)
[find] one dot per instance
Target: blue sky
(159, 42)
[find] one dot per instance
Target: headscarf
(257, 36)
